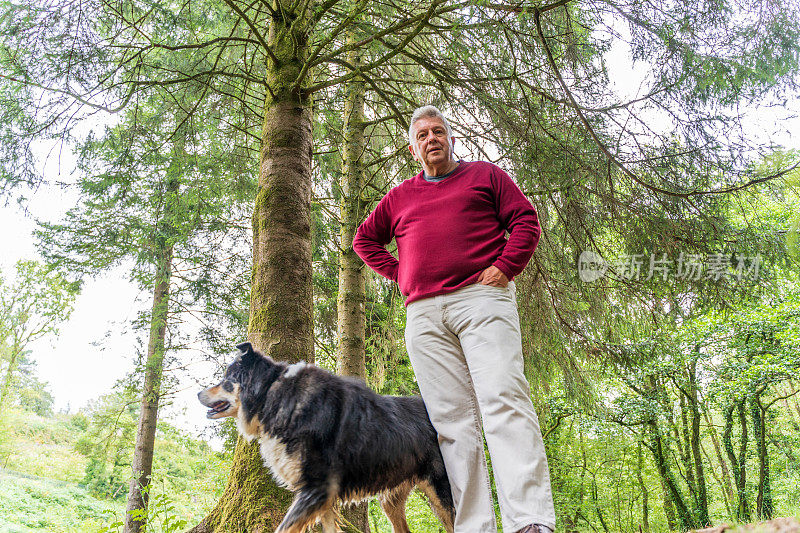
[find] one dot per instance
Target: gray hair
(427, 111)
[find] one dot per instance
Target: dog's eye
(227, 386)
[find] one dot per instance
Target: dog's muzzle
(216, 406)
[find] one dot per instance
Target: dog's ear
(246, 349)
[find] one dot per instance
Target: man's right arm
(372, 237)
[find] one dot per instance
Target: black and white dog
(329, 438)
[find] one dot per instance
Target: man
(462, 329)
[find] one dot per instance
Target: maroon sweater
(448, 232)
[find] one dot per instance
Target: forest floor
(779, 525)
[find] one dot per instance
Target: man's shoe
(535, 528)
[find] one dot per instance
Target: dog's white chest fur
(285, 466)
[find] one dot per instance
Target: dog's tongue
(217, 407)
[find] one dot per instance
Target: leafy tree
(33, 306)
(760, 345)
(31, 393)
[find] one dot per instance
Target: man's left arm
(519, 217)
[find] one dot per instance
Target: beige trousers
(466, 351)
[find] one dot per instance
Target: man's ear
(413, 152)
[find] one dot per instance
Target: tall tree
(163, 244)
(351, 298)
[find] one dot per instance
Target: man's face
(430, 146)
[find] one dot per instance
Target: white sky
(96, 347)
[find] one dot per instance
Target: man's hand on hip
(493, 276)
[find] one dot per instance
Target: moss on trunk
(281, 309)
(351, 326)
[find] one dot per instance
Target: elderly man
(455, 268)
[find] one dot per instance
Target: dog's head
(224, 398)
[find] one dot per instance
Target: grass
(418, 514)
(30, 504)
(41, 446)
(40, 475)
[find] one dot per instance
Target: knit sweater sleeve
(520, 219)
(372, 237)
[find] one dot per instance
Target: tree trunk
(643, 488)
(352, 293)
(660, 455)
(764, 504)
(12, 365)
(737, 463)
(669, 509)
(700, 479)
(685, 450)
(142, 465)
(572, 524)
(660, 449)
(597, 508)
(726, 474)
(351, 360)
(281, 305)
(725, 498)
(742, 484)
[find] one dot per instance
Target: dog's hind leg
(440, 500)
(393, 503)
(328, 520)
(306, 509)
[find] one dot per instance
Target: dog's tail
(308, 505)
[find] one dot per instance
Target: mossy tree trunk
(352, 294)
(700, 479)
(351, 356)
(659, 446)
(738, 463)
(684, 444)
(669, 509)
(727, 486)
(661, 455)
(142, 466)
(643, 488)
(281, 310)
(764, 504)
